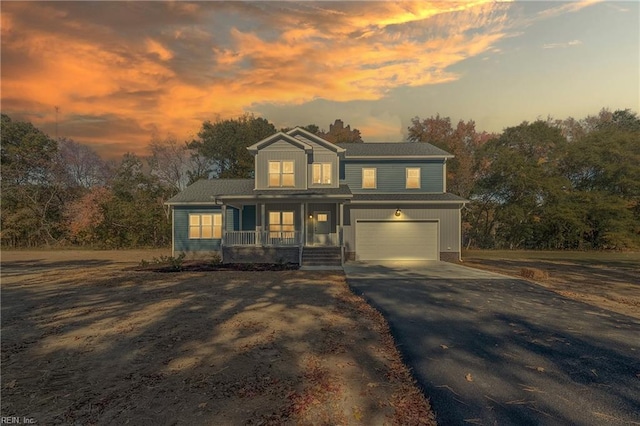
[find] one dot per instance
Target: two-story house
(315, 202)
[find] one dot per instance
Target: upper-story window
(321, 173)
(413, 177)
(281, 173)
(369, 178)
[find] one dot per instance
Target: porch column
(262, 225)
(240, 218)
(306, 224)
(302, 233)
(302, 224)
(224, 224)
(340, 221)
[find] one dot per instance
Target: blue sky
(120, 72)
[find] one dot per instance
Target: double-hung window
(281, 225)
(205, 226)
(281, 173)
(413, 177)
(369, 178)
(321, 173)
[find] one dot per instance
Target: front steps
(321, 256)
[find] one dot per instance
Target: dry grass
(87, 340)
(608, 280)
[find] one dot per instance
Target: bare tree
(171, 162)
(80, 165)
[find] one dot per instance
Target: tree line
(550, 184)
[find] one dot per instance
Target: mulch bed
(201, 266)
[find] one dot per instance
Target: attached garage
(397, 240)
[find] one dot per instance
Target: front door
(322, 228)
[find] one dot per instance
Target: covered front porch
(284, 224)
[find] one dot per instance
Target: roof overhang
(194, 203)
(397, 157)
(317, 139)
(278, 136)
(223, 198)
(463, 202)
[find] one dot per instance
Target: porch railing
(333, 239)
(263, 238)
(241, 238)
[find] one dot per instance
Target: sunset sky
(122, 71)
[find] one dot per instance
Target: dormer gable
(281, 138)
(306, 136)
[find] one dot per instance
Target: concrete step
(322, 262)
(321, 256)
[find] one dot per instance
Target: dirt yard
(88, 340)
(609, 280)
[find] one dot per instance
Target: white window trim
(281, 173)
(407, 177)
(375, 178)
(322, 173)
(199, 226)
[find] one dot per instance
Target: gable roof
(299, 132)
(276, 137)
(393, 149)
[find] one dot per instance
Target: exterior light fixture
(398, 212)
(310, 216)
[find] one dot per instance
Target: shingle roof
(342, 190)
(207, 191)
(409, 197)
(393, 149)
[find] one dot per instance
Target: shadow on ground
(108, 346)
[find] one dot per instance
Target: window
(205, 226)
(413, 177)
(281, 225)
(368, 178)
(281, 173)
(322, 173)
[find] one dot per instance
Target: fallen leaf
(444, 346)
(540, 369)
(372, 385)
(469, 377)
(11, 384)
(202, 405)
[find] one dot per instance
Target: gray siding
(323, 156)
(447, 216)
(182, 243)
(391, 175)
(316, 146)
(281, 150)
(232, 220)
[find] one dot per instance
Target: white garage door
(396, 240)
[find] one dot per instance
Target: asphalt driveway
(490, 349)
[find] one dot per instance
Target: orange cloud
(166, 67)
